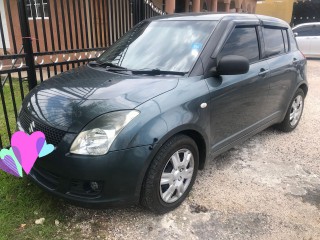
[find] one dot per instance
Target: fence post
(138, 11)
(27, 44)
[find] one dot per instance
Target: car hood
(72, 99)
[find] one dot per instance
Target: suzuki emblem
(32, 127)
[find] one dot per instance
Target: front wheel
(171, 175)
(294, 112)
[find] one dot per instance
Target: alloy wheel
(296, 110)
(177, 175)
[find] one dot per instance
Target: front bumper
(119, 175)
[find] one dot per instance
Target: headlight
(97, 137)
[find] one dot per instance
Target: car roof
(266, 20)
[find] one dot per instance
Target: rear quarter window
(292, 41)
(285, 39)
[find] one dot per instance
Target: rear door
(283, 72)
(237, 102)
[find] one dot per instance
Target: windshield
(162, 45)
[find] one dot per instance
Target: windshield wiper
(107, 65)
(153, 72)
(157, 71)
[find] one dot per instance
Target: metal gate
(42, 38)
(305, 11)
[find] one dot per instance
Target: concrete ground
(268, 188)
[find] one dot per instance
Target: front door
(238, 101)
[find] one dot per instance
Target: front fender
(168, 114)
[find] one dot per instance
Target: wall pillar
(249, 7)
(227, 5)
(238, 5)
(254, 4)
(186, 4)
(196, 6)
(244, 6)
(214, 5)
(170, 6)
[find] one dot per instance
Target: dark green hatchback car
(136, 125)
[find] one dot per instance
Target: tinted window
(312, 30)
(243, 42)
(285, 39)
(273, 41)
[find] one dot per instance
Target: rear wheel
(171, 175)
(294, 112)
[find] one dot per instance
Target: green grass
(10, 109)
(21, 202)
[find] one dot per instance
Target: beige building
(280, 9)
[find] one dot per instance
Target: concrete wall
(280, 9)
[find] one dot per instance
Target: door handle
(263, 72)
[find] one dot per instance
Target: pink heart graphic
(8, 165)
(27, 148)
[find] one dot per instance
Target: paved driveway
(268, 188)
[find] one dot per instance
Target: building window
(37, 8)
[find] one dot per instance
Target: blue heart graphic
(46, 149)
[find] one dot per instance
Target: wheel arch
(200, 139)
(304, 88)
(201, 144)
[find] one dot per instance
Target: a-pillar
(170, 6)
(214, 5)
(196, 5)
(227, 5)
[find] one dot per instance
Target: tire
(296, 104)
(177, 176)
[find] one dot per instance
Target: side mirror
(296, 34)
(232, 65)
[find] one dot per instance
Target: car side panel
(314, 46)
(282, 79)
(304, 44)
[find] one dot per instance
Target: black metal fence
(42, 38)
(305, 11)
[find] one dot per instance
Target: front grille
(53, 136)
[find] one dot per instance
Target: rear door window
(273, 41)
(243, 42)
